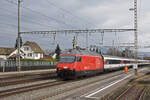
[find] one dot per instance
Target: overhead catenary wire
(140, 18)
(12, 25)
(85, 31)
(46, 16)
(139, 10)
(5, 32)
(9, 0)
(26, 20)
(70, 13)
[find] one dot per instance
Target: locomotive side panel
(79, 65)
(91, 65)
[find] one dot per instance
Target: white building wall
(41, 56)
(27, 52)
(16, 52)
(36, 55)
(3, 57)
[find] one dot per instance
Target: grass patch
(45, 60)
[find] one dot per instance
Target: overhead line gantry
(122, 46)
(78, 31)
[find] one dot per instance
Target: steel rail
(24, 80)
(125, 92)
(74, 87)
(13, 91)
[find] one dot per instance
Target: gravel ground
(38, 93)
(35, 94)
(80, 90)
(133, 94)
(146, 94)
(25, 84)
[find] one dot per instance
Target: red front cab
(66, 62)
(79, 65)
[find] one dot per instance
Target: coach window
(108, 62)
(126, 62)
(114, 62)
(78, 59)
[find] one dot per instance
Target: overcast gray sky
(45, 15)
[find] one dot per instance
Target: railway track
(132, 93)
(25, 79)
(136, 90)
(142, 93)
(4, 78)
(13, 91)
(62, 91)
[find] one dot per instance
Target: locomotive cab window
(67, 59)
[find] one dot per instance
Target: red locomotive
(79, 64)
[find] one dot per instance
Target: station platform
(31, 72)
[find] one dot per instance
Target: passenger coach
(77, 63)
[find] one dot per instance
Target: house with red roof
(32, 50)
(5, 52)
(29, 50)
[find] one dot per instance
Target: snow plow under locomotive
(78, 63)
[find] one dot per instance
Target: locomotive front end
(66, 67)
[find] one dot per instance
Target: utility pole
(76, 39)
(135, 36)
(73, 42)
(102, 35)
(87, 41)
(113, 45)
(19, 65)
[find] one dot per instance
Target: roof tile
(6, 50)
(34, 46)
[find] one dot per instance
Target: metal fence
(11, 65)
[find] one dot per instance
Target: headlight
(65, 67)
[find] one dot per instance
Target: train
(76, 63)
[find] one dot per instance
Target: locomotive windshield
(67, 59)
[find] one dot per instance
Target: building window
(29, 54)
(26, 48)
(36, 55)
(41, 55)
